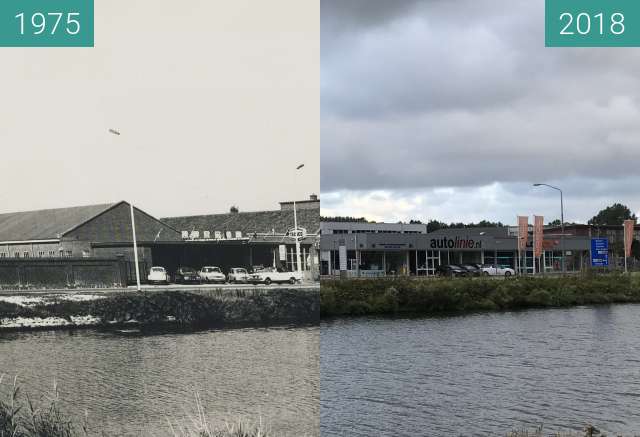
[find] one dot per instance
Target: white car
(489, 270)
(212, 274)
(271, 274)
(158, 275)
(238, 274)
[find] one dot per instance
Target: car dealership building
(381, 249)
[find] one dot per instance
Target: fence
(47, 273)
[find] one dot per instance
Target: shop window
(207, 234)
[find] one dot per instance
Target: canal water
(134, 385)
(483, 374)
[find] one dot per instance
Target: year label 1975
(46, 23)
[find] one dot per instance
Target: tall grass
(19, 417)
(438, 296)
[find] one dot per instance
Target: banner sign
(538, 235)
(523, 231)
(628, 236)
(599, 252)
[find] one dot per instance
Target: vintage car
(158, 275)
(271, 274)
(212, 274)
(186, 275)
(238, 274)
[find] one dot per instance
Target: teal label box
(592, 23)
(46, 23)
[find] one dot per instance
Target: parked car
(472, 269)
(492, 270)
(212, 274)
(451, 270)
(185, 275)
(238, 274)
(158, 275)
(271, 274)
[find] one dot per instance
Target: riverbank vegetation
(463, 295)
(20, 417)
(588, 431)
(185, 308)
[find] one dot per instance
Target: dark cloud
(420, 95)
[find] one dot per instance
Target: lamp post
(295, 224)
(133, 229)
(564, 268)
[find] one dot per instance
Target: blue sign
(599, 252)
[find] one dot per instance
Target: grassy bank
(21, 417)
(443, 296)
(202, 308)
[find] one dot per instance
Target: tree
(612, 215)
(555, 222)
(234, 209)
(434, 225)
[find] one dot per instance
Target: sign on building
(283, 252)
(599, 252)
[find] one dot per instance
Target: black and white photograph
(159, 221)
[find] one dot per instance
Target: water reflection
(131, 385)
(482, 374)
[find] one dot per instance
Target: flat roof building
(420, 253)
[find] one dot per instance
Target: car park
(158, 275)
(212, 274)
(238, 274)
(493, 270)
(472, 269)
(451, 270)
(186, 275)
(271, 274)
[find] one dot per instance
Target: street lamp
(295, 224)
(564, 268)
(133, 229)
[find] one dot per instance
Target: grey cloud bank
(428, 94)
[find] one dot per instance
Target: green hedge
(438, 296)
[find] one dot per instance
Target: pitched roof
(46, 224)
(279, 221)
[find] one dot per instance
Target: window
(218, 235)
(41, 254)
(25, 254)
(195, 234)
(185, 234)
(86, 254)
(207, 234)
(52, 253)
(238, 234)
(68, 253)
(3, 255)
(340, 231)
(229, 235)
(16, 254)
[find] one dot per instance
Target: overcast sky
(217, 103)
(451, 109)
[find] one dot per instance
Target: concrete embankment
(451, 296)
(186, 307)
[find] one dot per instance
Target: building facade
(395, 249)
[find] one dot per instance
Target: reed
(20, 417)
